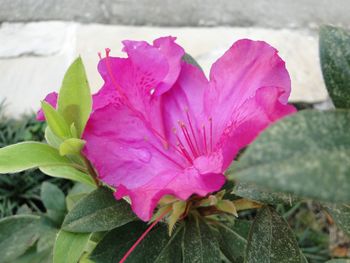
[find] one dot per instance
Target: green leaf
(52, 139)
(253, 192)
(178, 208)
(193, 241)
(227, 206)
(99, 211)
(335, 63)
(52, 197)
(199, 242)
(190, 60)
(341, 215)
(74, 99)
(33, 256)
(17, 234)
(69, 246)
(55, 121)
(298, 151)
(233, 239)
(26, 155)
(73, 199)
(80, 188)
(71, 146)
(68, 172)
(271, 240)
(47, 238)
(112, 248)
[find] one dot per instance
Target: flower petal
(182, 185)
(128, 154)
(138, 79)
(50, 98)
(184, 104)
(251, 118)
(247, 71)
(174, 54)
(123, 148)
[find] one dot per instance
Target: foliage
(261, 215)
(20, 191)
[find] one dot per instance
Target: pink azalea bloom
(160, 127)
(167, 130)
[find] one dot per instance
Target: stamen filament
(188, 140)
(205, 140)
(192, 131)
(183, 149)
(168, 157)
(211, 134)
(144, 235)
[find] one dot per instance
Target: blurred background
(40, 38)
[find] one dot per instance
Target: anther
(192, 131)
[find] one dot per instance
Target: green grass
(22, 190)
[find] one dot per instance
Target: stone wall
(261, 13)
(34, 53)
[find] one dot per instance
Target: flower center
(194, 142)
(192, 145)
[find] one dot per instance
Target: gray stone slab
(27, 78)
(298, 48)
(35, 39)
(263, 13)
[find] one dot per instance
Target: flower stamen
(188, 139)
(211, 134)
(205, 139)
(192, 131)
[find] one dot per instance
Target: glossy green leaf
(74, 99)
(69, 247)
(335, 63)
(68, 172)
(26, 155)
(55, 121)
(71, 146)
(298, 151)
(271, 240)
(233, 239)
(341, 215)
(17, 234)
(253, 192)
(99, 211)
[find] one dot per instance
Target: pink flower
(167, 130)
(159, 127)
